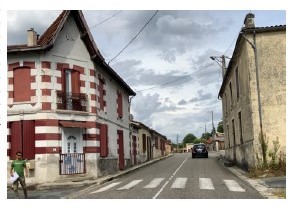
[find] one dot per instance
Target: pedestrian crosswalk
(178, 183)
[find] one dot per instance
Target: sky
(176, 44)
(173, 49)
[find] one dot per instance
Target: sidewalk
(269, 187)
(78, 185)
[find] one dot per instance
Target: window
(23, 139)
(120, 105)
(237, 83)
(233, 132)
(240, 127)
(228, 145)
(143, 143)
(22, 84)
(71, 83)
(230, 88)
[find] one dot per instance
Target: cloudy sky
(168, 64)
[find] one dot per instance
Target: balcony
(72, 101)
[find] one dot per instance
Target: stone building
(253, 92)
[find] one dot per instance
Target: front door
(72, 140)
(72, 158)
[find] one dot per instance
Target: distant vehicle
(199, 150)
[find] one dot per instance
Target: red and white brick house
(68, 110)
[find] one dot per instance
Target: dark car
(199, 150)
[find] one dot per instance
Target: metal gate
(72, 163)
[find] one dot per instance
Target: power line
(175, 79)
(135, 36)
(106, 19)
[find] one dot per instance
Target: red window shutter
(63, 79)
(16, 138)
(101, 100)
(103, 140)
(120, 105)
(22, 84)
(29, 140)
(144, 142)
(75, 82)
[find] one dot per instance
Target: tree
(206, 135)
(198, 140)
(220, 127)
(189, 138)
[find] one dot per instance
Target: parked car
(199, 150)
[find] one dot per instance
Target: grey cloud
(182, 102)
(134, 75)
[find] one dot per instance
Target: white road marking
(106, 187)
(156, 195)
(130, 185)
(179, 183)
(233, 186)
(154, 183)
(205, 183)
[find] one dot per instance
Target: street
(177, 177)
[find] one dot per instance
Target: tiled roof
(49, 34)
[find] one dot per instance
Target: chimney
(31, 37)
(249, 20)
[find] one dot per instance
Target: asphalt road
(177, 177)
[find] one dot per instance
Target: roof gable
(47, 40)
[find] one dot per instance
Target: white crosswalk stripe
(234, 186)
(106, 187)
(205, 183)
(179, 183)
(154, 183)
(130, 185)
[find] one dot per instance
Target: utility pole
(177, 143)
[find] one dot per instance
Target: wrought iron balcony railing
(72, 101)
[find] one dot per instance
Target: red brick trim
(10, 94)
(46, 92)
(48, 136)
(80, 69)
(61, 66)
(82, 84)
(59, 80)
(92, 149)
(8, 152)
(46, 64)
(33, 79)
(93, 97)
(92, 72)
(47, 150)
(33, 92)
(46, 106)
(12, 66)
(92, 85)
(90, 137)
(30, 64)
(8, 138)
(94, 110)
(10, 81)
(46, 78)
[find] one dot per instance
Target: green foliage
(264, 146)
(277, 164)
(206, 135)
(189, 138)
(220, 127)
(198, 140)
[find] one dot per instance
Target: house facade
(149, 144)
(253, 93)
(68, 110)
